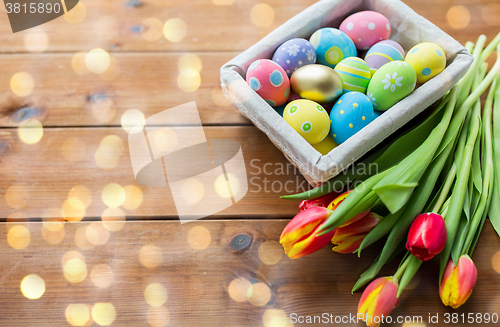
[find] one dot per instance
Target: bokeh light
(155, 294)
(22, 84)
(77, 314)
(495, 262)
(104, 110)
(52, 235)
(109, 152)
(81, 193)
(97, 61)
(412, 324)
(132, 117)
(192, 190)
(219, 98)
(238, 289)
(158, 316)
(77, 14)
(163, 140)
(106, 28)
(190, 61)
(113, 70)
(153, 29)
(32, 287)
(16, 196)
(113, 219)
(73, 149)
(103, 314)
(36, 41)
(133, 197)
(30, 131)
(189, 80)
(81, 239)
(97, 234)
(150, 256)
(113, 195)
(262, 15)
(259, 294)
(78, 62)
(74, 267)
(175, 30)
(223, 2)
(458, 17)
(223, 187)
(102, 275)
(73, 209)
(270, 252)
(491, 14)
(199, 238)
(276, 318)
(19, 237)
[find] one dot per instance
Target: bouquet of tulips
(437, 183)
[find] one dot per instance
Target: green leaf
(494, 212)
(463, 229)
(409, 273)
(395, 196)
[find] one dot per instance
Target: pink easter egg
(365, 28)
(270, 81)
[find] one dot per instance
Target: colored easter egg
(317, 83)
(382, 53)
(391, 83)
(355, 74)
(366, 28)
(332, 45)
(428, 59)
(294, 54)
(324, 147)
(309, 119)
(270, 81)
(349, 115)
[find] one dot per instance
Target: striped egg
(382, 53)
(355, 74)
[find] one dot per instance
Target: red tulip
(378, 300)
(349, 236)
(427, 236)
(458, 282)
(322, 201)
(299, 238)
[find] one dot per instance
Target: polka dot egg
(270, 81)
(294, 54)
(309, 119)
(366, 28)
(428, 59)
(355, 74)
(332, 45)
(351, 113)
(382, 53)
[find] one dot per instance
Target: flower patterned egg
(309, 119)
(391, 83)
(317, 83)
(270, 81)
(324, 147)
(349, 115)
(428, 59)
(294, 54)
(382, 53)
(332, 45)
(355, 74)
(366, 28)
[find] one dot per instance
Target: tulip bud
(378, 300)
(322, 201)
(349, 237)
(299, 237)
(458, 282)
(335, 203)
(427, 236)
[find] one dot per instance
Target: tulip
(299, 237)
(349, 236)
(458, 282)
(378, 300)
(427, 236)
(335, 203)
(322, 201)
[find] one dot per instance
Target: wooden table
(225, 270)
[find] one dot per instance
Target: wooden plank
(43, 174)
(196, 265)
(146, 82)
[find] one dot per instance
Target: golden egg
(317, 83)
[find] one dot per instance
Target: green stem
(402, 268)
(450, 178)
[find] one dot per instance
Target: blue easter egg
(332, 45)
(294, 54)
(349, 115)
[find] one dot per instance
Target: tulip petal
(350, 244)
(361, 226)
(379, 298)
(458, 282)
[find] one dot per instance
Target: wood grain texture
(198, 263)
(46, 177)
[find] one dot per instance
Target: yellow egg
(427, 59)
(309, 119)
(324, 147)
